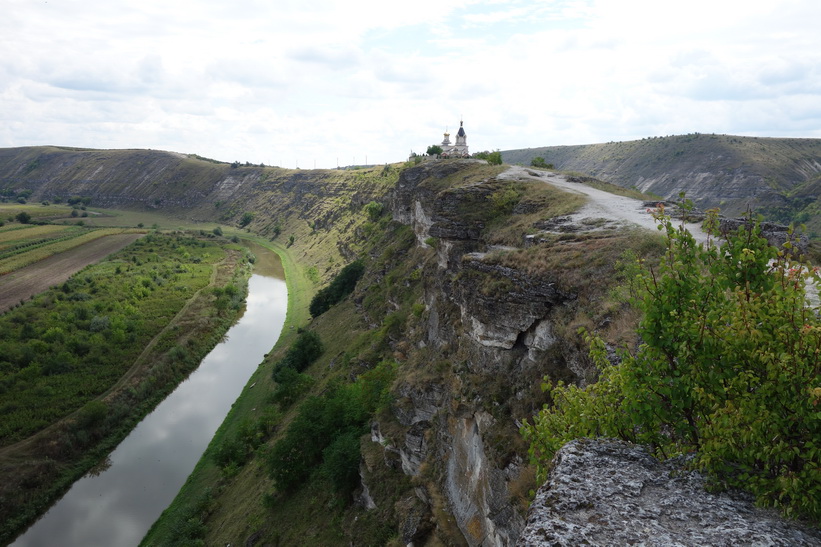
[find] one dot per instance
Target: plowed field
(35, 278)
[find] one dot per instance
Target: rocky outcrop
(477, 490)
(605, 492)
(502, 304)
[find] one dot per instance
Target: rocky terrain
(780, 178)
(604, 492)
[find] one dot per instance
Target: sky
(327, 83)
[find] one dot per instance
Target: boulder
(606, 492)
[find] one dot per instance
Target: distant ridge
(777, 177)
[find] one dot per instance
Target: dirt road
(600, 205)
(609, 207)
(33, 279)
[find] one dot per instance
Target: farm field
(83, 361)
(25, 282)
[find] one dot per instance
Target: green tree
(341, 286)
(538, 161)
(434, 150)
(246, 219)
(493, 158)
(374, 210)
(23, 217)
(729, 368)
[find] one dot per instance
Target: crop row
(46, 248)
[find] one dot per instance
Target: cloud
(268, 82)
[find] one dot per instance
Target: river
(144, 473)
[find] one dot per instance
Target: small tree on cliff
(730, 368)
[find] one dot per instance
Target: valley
(476, 282)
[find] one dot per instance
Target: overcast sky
(326, 82)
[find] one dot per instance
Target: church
(458, 150)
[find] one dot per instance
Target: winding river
(117, 506)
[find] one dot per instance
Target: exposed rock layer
(605, 492)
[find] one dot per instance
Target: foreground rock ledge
(605, 492)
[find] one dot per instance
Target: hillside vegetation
(390, 414)
(777, 177)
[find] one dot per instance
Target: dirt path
(611, 208)
(600, 205)
(33, 279)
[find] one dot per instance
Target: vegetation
(341, 286)
(434, 150)
(493, 158)
(324, 436)
(92, 356)
(539, 162)
(729, 368)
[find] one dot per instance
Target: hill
(777, 177)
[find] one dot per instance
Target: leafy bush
(304, 351)
(538, 161)
(729, 368)
(493, 158)
(434, 150)
(374, 210)
(324, 436)
(246, 219)
(341, 286)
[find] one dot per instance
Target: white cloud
(287, 83)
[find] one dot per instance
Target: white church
(458, 150)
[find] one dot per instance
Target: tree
(246, 219)
(23, 217)
(538, 161)
(493, 158)
(434, 150)
(729, 368)
(341, 286)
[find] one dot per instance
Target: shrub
(246, 219)
(341, 286)
(729, 368)
(374, 210)
(304, 351)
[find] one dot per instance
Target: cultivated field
(25, 282)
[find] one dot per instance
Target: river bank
(146, 470)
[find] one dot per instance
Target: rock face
(604, 492)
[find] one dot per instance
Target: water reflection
(117, 505)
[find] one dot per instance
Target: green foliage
(218, 231)
(23, 217)
(493, 158)
(538, 161)
(71, 343)
(730, 368)
(324, 436)
(246, 219)
(291, 385)
(341, 286)
(305, 350)
(374, 210)
(434, 150)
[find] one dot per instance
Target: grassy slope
(229, 509)
(315, 254)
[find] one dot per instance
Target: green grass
(144, 308)
(37, 211)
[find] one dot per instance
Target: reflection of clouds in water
(148, 468)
